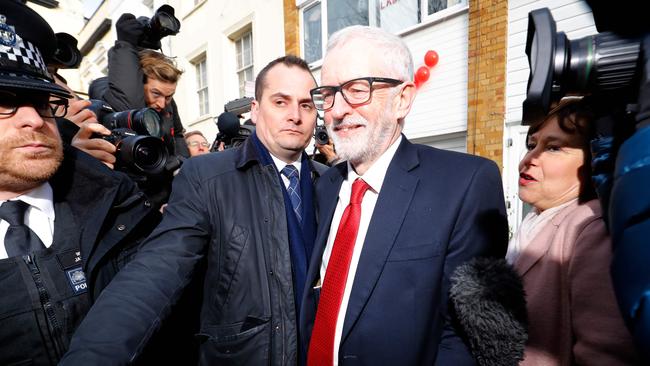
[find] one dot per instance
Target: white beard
(365, 145)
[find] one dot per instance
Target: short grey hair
(397, 55)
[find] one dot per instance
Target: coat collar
(540, 245)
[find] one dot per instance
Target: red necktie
(321, 346)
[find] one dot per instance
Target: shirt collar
(375, 175)
(279, 164)
(40, 198)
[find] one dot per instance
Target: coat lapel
(540, 245)
(328, 194)
(392, 206)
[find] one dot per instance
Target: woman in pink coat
(563, 252)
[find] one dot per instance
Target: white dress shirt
(39, 216)
(374, 176)
(279, 165)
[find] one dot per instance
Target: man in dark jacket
(67, 222)
(249, 212)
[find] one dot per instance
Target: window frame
(244, 67)
(423, 19)
(202, 84)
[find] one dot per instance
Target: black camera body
(66, 55)
(162, 24)
(136, 135)
(320, 135)
(231, 132)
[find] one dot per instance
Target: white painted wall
(208, 28)
(441, 104)
(572, 17)
(68, 18)
(95, 62)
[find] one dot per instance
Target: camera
(66, 55)
(162, 24)
(604, 63)
(231, 132)
(136, 134)
(320, 135)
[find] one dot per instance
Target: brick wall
(486, 87)
(291, 28)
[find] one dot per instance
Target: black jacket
(101, 218)
(228, 209)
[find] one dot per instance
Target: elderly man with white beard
(396, 218)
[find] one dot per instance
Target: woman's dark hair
(576, 117)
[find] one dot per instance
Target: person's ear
(405, 99)
(255, 110)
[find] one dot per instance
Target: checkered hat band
(23, 54)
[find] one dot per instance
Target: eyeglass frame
(53, 105)
(370, 79)
(196, 144)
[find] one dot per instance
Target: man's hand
(78, 114)
(329, 152)
(129, 29)
(98, 148)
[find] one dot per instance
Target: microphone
(228, 124)
(488, 304)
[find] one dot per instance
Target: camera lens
(143, 154)
(148, 121)
(144, 121)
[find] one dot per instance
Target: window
(313, 36)
(324, 17)
(201, 70)
(244, 46)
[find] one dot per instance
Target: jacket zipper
(46, 304)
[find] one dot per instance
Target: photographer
(140, 77)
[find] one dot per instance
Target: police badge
(7, 33)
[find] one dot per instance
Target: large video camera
(604, 63)
(162, 24)
(614, 67)
(231, 132)
(137, 136)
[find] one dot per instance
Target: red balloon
(422, 74)
(431, 58)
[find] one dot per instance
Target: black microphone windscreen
(489, 306)
(228, 123)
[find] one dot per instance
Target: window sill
(201, 119)
(436, 18)
(198, 5)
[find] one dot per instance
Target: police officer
(67, 222)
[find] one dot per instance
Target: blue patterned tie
(293, 190)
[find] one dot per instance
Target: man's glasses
(196, 144)
(355, 92)
(44, 106)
